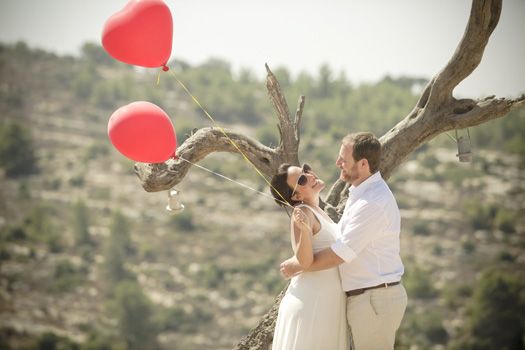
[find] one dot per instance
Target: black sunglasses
(302, 180)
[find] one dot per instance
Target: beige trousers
(375, 316)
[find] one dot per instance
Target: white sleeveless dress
(312, 313)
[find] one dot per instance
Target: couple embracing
(344, 276)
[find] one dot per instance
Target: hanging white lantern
(464, 147)
(174, 204)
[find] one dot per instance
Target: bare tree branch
(409, 134)
(278, 99)
(297, 120)
(484, 17)
(287, 128)
(163, 176)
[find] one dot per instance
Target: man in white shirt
(367, 251)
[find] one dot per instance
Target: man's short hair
(365, 145)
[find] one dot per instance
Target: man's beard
(346, 177)
(349, 176)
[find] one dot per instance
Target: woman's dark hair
(280, 187)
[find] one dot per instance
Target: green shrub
(505, 220)
(273, 282)
(431, 324)
(77, 181)
(418, 283)
(118, 248)
(505, 256)
(457, 173)
(52, 184)
(4, 254)
(102, 342)
(496, 318)
(96, 150)
(134, 313)
(212, 275)
(81, 223)
(67, 277)
(17, 155)
(182, 221)
(51, 341)
(429, 161)
(13, 233)
(39, 227)
(24, 192)
(422, 330)
(455, 295)
(176, 319)
(421, 228)
(437, 250)
(468, 246)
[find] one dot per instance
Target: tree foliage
(81, 222)
(17, 154)
(497, 313)
(118, 248)
(134, 313)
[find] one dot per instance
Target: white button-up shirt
(369, 241)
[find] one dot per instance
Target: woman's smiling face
(303, 181)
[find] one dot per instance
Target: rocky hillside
(90, 260)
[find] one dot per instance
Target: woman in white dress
(312, 313)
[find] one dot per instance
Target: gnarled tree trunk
(437, 111)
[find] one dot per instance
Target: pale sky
(366, 39)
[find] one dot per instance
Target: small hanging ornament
(464, 147)
(174, 204)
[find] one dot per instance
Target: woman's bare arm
(302, 233)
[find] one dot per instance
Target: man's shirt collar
(356, 191)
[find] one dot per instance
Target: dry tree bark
(437, 111)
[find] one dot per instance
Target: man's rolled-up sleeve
(365, 224)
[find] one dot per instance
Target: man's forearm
(325, 259)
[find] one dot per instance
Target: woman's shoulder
(301, 211)
(304, 208)
(304, 214)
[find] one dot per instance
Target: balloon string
(222, 130)
(158, 78)
(236, 182)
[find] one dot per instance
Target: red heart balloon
(143, 132)
(140, 34)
